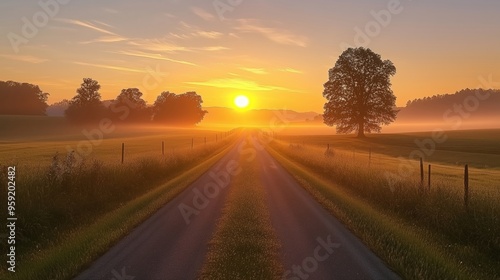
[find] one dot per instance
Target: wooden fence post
(421, 172)
(162, 148)
(466, 186)
(192, 143)
(429, 182)
(123, 152)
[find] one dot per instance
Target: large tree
(134, 108)
(183, 109)
(86, 106)
(359, 92)
(22, 99)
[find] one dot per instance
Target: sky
(277, 52)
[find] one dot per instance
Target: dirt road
(172, 244)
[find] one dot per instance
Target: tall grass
(53, 200)
(440, 210)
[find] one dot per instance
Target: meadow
(61, 194)
(453, 241)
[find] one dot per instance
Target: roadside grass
(478, 148)
(483, 181)
(423, 235)
(73, 212)
(244, 245)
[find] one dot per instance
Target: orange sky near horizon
(275, 52)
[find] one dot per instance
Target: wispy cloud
(110, 11)
(112, 67)
(89, 25)
(188, 31)
(213, 48)
(277, 35)
(291, 70)
(202, 13)
(24, 58)
(154, 56)
(106, 39)
(239, 84)
(258, 71)
(207, 34)
(158, 45)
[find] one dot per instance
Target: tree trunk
(361, 130)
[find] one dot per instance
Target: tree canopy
(183, 109)
(86, 106)
(358, 92)
(135, 108)
(22, 99)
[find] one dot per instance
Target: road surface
(165, 246)
(303, 225)
(315, 245)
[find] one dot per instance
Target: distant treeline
(22, 99)
(474, 103)
(87, 107)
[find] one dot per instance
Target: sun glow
(241, 101)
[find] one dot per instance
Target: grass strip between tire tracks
(244, 245)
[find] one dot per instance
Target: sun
(241, 101)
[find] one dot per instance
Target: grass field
(33, 141)
(478, 148)
(469, 243)
(61, 194)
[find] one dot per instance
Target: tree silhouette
(22, 99)
(133, 106)
(86, 106)
(359, 92)
(183, 109)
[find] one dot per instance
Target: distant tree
(22, 99)
(131, 106)
(58, 108)
(86, 106)
(359, 92)
(183, 109)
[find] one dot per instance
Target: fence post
(369, 157)
(466, 186)
(162, 148)
(192, 143)
(123, 152)
(429, 180)
(429, 177)
(421, 172)
(327, 147)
